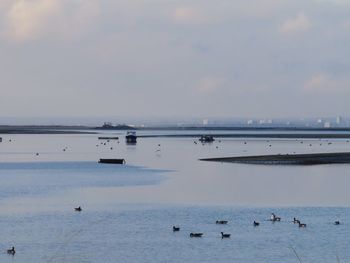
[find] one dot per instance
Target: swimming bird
(225, 235)
(296, 221)
(302, 225)
(256, 223)
(196, 234)
(176, 228)
(337, 222)
(274, 218)
(221, 222)
(11, 251)
(78, 209)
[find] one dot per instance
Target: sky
(172, 58)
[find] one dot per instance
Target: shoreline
(244, 132)
(287, 159)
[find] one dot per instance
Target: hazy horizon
(173, 120)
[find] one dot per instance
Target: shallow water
(144, 234)
(128, 211)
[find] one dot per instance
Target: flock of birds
(273, 218)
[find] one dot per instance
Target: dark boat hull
(112, 161)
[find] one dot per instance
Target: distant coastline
(244, 132)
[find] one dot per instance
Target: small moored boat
(112, 161)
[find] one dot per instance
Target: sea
(128, 211)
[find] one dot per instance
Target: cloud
(188, 15)
(210, 85)
(300, 23)
(326, 84)
(27, 19)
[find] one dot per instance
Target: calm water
(128, 211)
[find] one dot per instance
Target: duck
(11, 251)
(296, 221)
(176, 228)
(337, 222)
(302, 225)
(78, 209)
(196, 234)
(274, 218)
(225, 235)
(221, 222)
(256, 223)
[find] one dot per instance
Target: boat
(206, 138)
(112, 161)
(108, 138)
(131, 137)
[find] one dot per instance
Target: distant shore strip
(287, 159)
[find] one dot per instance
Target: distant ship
(110, 126)
(206, 138)
(131, 137)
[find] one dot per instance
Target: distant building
(250, 122)
(338, 120)
(327, 124)
(205, 122)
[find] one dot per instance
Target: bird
(221, 222)
(176, 228)
(225, 235)
(11, 251)
(274, 218)
(196, 234)
(302, 225)
(256, 223)
(78, 209)
(337, 222)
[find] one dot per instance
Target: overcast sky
(152, 58)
